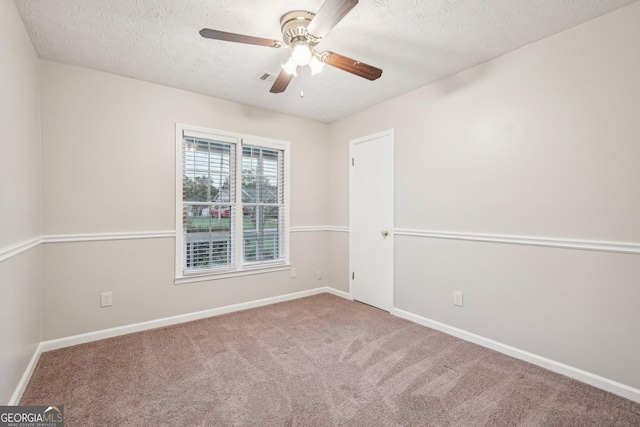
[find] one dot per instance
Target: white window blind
(263, 202)
(233, 203)
(208, 194)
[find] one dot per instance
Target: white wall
(20, 211)
(109, 150)
(540, 142)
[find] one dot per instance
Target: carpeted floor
(316, 361)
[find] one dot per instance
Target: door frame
(391, 159)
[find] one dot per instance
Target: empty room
(320, 212)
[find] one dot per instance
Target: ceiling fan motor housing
(294, 27)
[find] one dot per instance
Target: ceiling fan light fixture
(316, 65)
(301, 54)
(290, 67)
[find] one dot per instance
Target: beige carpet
(317, 361)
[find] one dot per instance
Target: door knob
(385, 233)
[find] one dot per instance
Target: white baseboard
(152, 324)
(174, 320)
(580, 375)
(338, 293)
(552, 365)
(22, 385)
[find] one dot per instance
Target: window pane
(207, 254)
(261, 172)
(207, 171)
(208, 234)
(261, 226)
(208, 176)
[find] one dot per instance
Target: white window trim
(240, 269)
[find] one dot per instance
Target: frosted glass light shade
(301, 54)
(290, 67)
(316, 65)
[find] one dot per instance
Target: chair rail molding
(94, 237)
(551, 242)
(17, 249)
(313, 228)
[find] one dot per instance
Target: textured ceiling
(415, 42)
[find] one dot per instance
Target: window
(232, 204)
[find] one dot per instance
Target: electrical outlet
(319, 274)
(106, 299)
(293, 272)
(457, 298)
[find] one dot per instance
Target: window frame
(240, 268)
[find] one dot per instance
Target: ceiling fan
(302, 31)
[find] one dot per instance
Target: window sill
(248, 271)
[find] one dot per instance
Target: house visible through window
(233, 202)
(261, 193)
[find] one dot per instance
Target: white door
(371, 220)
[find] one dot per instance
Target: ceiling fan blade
(352, 66)
(238, 38)
(281, 83)
(331, 12)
